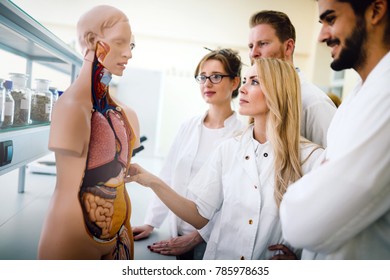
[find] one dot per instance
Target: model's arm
(70, 127)
(181, 206)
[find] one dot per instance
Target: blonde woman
(242, 184)
(219, 76)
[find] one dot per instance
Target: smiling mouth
(333, 44)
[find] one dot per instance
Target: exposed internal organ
(102, 142)
(121, 133)
(123, 245)
(102, 194)
(100, 211)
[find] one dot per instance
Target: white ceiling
(214, 21)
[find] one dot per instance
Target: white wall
(170, 36)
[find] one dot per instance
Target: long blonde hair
(280, 84)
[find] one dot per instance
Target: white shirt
(229, 184)
(210, 138)
(341, 210)
(179, 163)
(317, 112)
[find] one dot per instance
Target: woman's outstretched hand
(139, 175)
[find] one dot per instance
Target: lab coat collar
(227, 124)
(379, 69)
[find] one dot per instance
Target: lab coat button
(255, 186)
(246, 157)
(265, 155)
(250, 221)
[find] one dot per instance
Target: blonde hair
(280, 84)
(92, 24)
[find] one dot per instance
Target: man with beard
(273, 35)
(341, 210)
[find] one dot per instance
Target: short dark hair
(230, 60)
(279, 21)
(360, 7)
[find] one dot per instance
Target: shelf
(29, 144)
(23, 36)
(20, 34)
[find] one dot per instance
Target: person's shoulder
(69, 110)
(235, 123)
(312, 95)
(190, 123)
(239, 138)
(193, 120)
(70, 126)
(310, 90)
(132, 118)
(310, 152)
(130, 113)
(307, 145)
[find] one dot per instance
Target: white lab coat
(317, 112)
(178, 165)
(248, 218)
(341, 210)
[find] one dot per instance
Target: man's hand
(286, 253)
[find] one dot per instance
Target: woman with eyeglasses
(242, 184)
(219, 75)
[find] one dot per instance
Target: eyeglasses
(215, 78)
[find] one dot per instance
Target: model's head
(271, 35)
(350, 27)
(106, 31)
(219, 75)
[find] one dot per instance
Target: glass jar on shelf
(2, 100)
(9, 105)
(41, 102)
(54, 91)
(22, 98)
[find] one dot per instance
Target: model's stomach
(104, 202)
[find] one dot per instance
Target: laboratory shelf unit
(23, 36)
